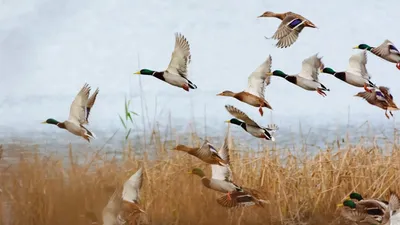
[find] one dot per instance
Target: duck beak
(356, 47)
(227, 121)
(190, 172)
(44, 122)
(269, 74)
(339, 205)
(321, 70)
(138, 72)
(220, 94)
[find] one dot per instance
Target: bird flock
(234, 195)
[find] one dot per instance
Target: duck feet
(321, 92)
(391, 113)
(185, 87)
(261, 111)
(387, 116)
(366, 88)
(229, 196)
(398, 65)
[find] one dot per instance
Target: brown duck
(381, 98)
(254, 93)
(289, 29)
(207, 153)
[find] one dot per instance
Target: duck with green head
(308, 77)
(222, 181)
(79, 114)
(356, 73)
(386, 51)
(176, 74)
(251, 127)
(360, 215)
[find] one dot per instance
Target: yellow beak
(190, 172)
(339, 205)
(138, 72)
(356, 47)
(320, 70)
(227, 121)
(269, 74)
(43, 122)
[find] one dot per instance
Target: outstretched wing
(310, 67)
(357, 64)
(240, 115)
(132, 187)
(90, 104)
(110, 211)
(223, 172)
(180, 56)
(285, 27)
(386, 48)
(77, 112)
(259, 79)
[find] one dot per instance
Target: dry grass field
(301, 188)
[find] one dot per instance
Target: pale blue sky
(49, 49)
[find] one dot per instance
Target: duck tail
(324, 88)
(191, 85)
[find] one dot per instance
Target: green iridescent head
(145, 72)
(349, 203)
(234, 121)
(355, 195)
(328, 70)
(363, 46)
(278, 73)
(51, 121)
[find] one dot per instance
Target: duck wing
(310, 68)
(240, 115)
(77, 112)
(181, 56)
(90, 104)
(223, 172)
(258, 80)
(385, 49)
(132, 187)
(357, 64)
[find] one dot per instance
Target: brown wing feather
(240, 115)
(90, 104)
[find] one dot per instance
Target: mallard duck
(289, 29)
(358, 197)
(207, 153)
(351, 212)
(78, 114)
(249, 125)
(372, 211)
(381, 98)
(356, 73)
(308, 77)
(222, 181)
(123, 207)
(386, 51)
(247, 197)
(176, 74)
(254, 93)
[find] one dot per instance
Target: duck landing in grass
(207, 153)
(176, 74)
(222, 181)
(289, 29)
(254, 93)
(380, 97)
(78, 114)
(386, 51)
